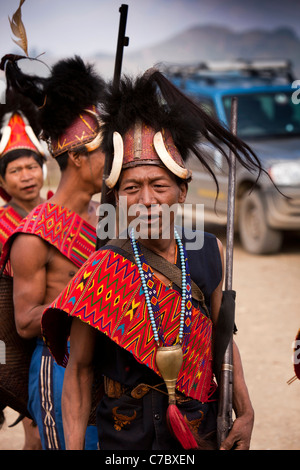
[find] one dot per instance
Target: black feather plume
(30, 86)
(15, 102)
(71, 87)
(153, 99)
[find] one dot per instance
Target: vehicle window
(207, 105)
(266, 115)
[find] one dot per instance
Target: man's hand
(240, 434)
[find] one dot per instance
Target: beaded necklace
(169, 359)
(148, 285)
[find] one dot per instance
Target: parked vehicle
(269, 121)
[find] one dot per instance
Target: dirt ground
(268, 318)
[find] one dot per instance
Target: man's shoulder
(3, 211)
(29, 229)
(4, 208)
(109, 257)
(197, 240)
(8, 209)
(45, 211)
(27, 242)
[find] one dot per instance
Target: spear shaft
(224, 420)
(123, 41)
(107, 196)
(231, 202)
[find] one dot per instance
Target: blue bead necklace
(148, 285)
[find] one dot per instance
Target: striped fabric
(47, 401)
(9, 221)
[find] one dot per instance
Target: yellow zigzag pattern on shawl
(64, 229)
(199, 355)
(104, 289)
(140, 340)
(170, 306)
(129, 327)
(9, 221)
(12, 216)
(105, 305)
(51, 218)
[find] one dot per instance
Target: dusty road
(268, 318)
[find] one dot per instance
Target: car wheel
(255, 235)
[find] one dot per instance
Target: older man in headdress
(143, 309)
(21, 163)
(59, 235)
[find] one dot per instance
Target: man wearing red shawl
(143, 309)
(54, 240)
(21, 163)
(21, 178)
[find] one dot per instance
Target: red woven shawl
(107, 294)
(62, 228)
(9, 221)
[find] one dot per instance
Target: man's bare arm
(77, 387)
(29, 256)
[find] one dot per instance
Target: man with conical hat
(22, 157)
(144, 308)
(55, 239)
(21, 163)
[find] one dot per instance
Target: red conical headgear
(18, 134)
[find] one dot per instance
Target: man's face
(149, 190)
(23, 179)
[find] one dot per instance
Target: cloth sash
(62, 228)
(107, 294)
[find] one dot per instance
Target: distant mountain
(211, 42)
(199, 44)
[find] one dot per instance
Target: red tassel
(180, 428)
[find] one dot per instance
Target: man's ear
(75, 157)
(183, 192)
(116, 194)
(2, 182)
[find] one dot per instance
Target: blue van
(269, 121)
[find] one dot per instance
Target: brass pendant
(169, 361)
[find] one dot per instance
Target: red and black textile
(107, 294)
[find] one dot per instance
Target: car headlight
(285, 173)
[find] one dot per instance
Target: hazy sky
(85, 27)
